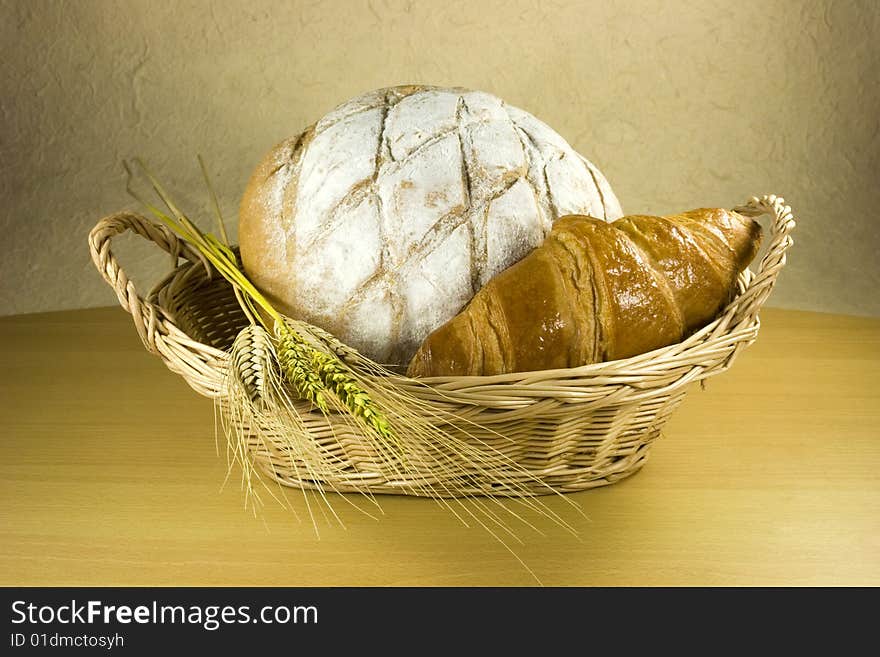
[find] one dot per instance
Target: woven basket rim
(155, 324)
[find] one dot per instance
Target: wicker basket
(568, 429)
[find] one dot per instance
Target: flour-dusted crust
(381, 221)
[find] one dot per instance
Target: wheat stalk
(312, 372)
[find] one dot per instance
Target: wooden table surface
(109, 476)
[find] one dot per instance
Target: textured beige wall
(681, 104)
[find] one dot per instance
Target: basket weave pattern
(569, 429)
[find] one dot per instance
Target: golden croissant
(596, 291)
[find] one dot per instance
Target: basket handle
(150, 320)
(761, 283)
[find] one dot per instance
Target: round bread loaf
(382, 220)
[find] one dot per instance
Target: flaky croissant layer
(596, 291)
